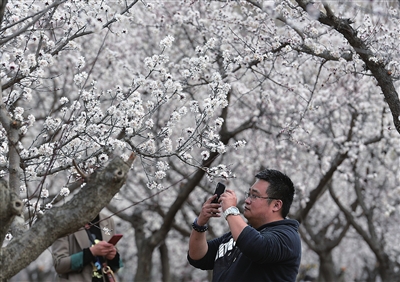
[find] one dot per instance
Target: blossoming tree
(74, 126)
(200, 91)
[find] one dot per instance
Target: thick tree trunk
(10, 206)
(165, 269)
(387, 271)
(326, 268)
(144, 267)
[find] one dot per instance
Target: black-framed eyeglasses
(254, 197)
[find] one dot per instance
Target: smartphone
(219, 190)
(115, 238)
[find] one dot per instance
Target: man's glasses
(254, 197)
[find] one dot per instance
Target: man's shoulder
(284, 223)
(289, 227)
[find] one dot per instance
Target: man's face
(257, 210)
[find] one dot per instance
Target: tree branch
(3, 4)
(378, 70)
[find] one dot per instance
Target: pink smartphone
(115, 238)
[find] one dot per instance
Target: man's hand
(197, 243)
(208, 210)
(228, 199)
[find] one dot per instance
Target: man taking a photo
(266, 248)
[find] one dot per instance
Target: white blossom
(160, 174)
(239, 144)
(52, 123)
(182, 111)
(64, 100)
(46, 149)
(76, 105)
(149, 123)
(149, 146)
(162, 165)
(167, 42)
(186, 156)
(167, 145)
(80, 78)
(27, 94)
(106, 230)
(218, 122)
(151, 185)
(31, 120)
(103, 158)
(194, 106)
(18, 112)
(44, 193)
(149, 62)
(64, 192)
(205, 155)
(80, 63)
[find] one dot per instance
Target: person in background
(266, 248)
(80, 256)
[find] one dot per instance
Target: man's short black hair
(280, 187)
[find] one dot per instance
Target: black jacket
(270, 253)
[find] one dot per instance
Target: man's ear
(278, 205)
